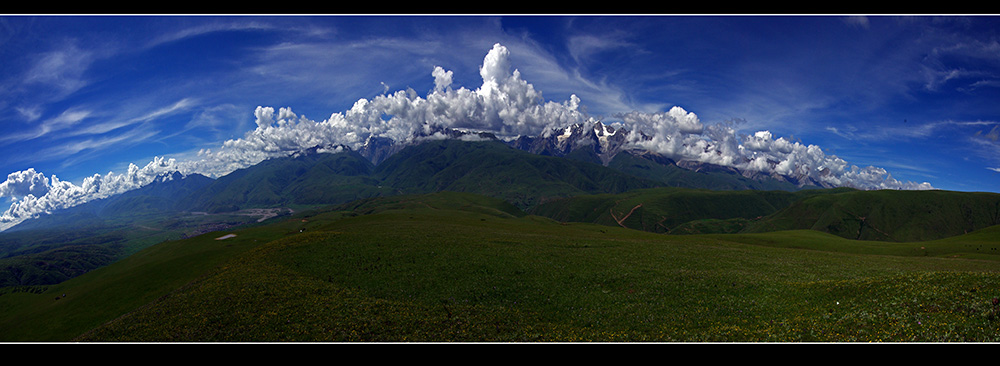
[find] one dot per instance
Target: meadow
(452, 267)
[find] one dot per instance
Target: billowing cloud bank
(505, 105)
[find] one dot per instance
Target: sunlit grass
(434, 275)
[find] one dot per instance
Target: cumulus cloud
(23, 183)
(442, 78)
(32, 193)
(505, 105)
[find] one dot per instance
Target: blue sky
(915, 95)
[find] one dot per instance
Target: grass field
(455, 267)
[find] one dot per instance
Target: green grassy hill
(458, 267)
(888, 215)
(628, 193)
(674, 210)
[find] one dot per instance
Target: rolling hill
(448, 267)
(674, 210)
(482, 241)
(888, 215)
(635, 190)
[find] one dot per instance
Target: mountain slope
(302, 179)
(662, 210)
(155, 199)
(607, 145)
(888, 215)
(494, 169)
(699, 176)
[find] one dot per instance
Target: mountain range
(592, 158)
(584, 173)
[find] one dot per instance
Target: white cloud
(33, 194)
(23, 183)
(62, 68)
(857, 21)
(442, 78)
(505, 104)
(63, 121)
(100, 128)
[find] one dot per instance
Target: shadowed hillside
(888, 215)
(460, 267)
(665, 210)
(494, 169)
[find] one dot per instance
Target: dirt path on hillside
(620, 222)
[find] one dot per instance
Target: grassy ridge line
(442, 275)
(456, 267)
(663, 210)
(981, 244)
(431, 274)
(108, 292)
(888, 215)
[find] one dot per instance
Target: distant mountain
(302, 179)
(657, 167)
(606, 145)
(497, 170)
(313, 177)
(580, 174)
(64, 244)
(580, 159)
(599, 143)
(490, 168)
(158, 197)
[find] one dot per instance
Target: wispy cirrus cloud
(61, 69)
(908, 131)
(62, 122)
(111, 125)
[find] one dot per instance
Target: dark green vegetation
(664, 170)
(497, 170)
(306, 179)
(889, 215)
(57, 247)
(885, 215)
(454, 241)
(675, 210)
(460, 267)
(115, 227)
